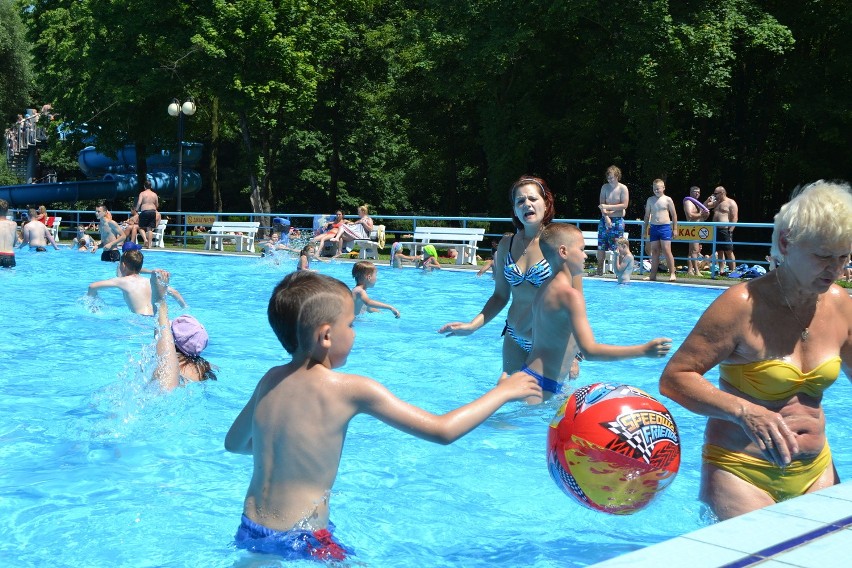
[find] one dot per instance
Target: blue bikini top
(536, 274)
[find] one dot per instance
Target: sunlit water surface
(99, 469)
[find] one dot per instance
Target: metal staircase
(22, 141)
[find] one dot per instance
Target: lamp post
(179, 110)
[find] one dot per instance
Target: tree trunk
(214, 157)
(255, 195)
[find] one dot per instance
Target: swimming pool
(99, 469)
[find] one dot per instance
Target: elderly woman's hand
(767, 429)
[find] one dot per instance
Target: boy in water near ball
(296, 420)
(561, 327)
(365, 274)
(135, 288)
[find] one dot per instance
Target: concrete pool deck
(811, 531)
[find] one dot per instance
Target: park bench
(241, 232)
(463, 239)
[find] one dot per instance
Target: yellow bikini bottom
(781, 484)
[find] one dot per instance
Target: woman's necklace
(530, 242)
(805, 331)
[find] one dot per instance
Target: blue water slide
(117, 180)
(95, 164)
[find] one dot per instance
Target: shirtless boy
(111, 235)
(614, 199)
(296, 420)
(135, 288)
(660, 226)
(365, 275)
(36, 234)
(8, 237)
(725, 210)
(147, 205)
(560, 325)
(624, 260)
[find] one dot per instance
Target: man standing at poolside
(8, 237)
(147, 205)
(614, 199)
(111, 235)
(36, 234)
(724, 211)
(692, 213)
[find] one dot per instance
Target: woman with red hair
(519, 270)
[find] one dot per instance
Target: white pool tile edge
(735, 540)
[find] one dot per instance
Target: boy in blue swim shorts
(561, 327)
(660, 226)
(296, 420)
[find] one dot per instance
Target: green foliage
(437, 106)
(15, 66)
(7, 176)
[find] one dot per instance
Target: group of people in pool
(765, 438)
(779, 340)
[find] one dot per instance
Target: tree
(109, 72)
(14, 62)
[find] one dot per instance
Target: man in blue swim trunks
(660, 226)
(614, 199)
(561, 327)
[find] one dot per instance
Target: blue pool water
(101, 470)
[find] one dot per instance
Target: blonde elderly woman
(779, 341)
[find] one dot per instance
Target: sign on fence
(700, 233)
(200, 219)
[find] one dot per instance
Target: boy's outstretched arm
(95, 286)
(594, 351)
(376, 400)
(238, 438)
(374, 304)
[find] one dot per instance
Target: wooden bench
(590, 247)
(242, 232)
(464, 240)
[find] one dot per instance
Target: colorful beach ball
(613, 448)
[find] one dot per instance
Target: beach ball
(613, 448)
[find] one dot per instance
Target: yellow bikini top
(779, 380)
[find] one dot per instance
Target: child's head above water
(301, 303)
(363, 270)
(132, 262)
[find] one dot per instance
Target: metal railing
(181, 228)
